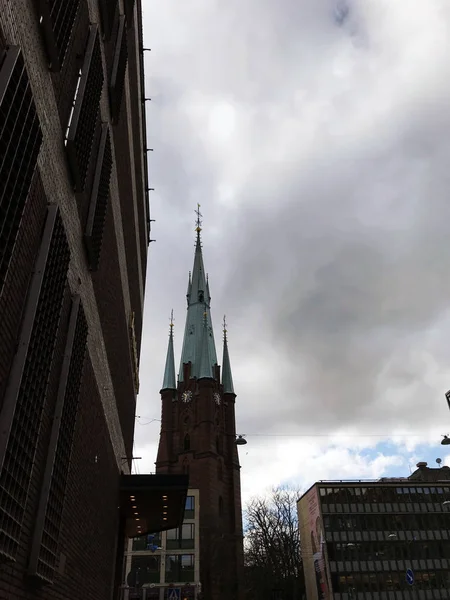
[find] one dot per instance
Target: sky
(315, 136)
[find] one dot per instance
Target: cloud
(315, 136)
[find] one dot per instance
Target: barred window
(118, 71)
(84, 115)
(93, 236)
(108, 10)
(20, 141)
(57, 18)
(24, 400)
(44, 550)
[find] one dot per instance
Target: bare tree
(272, 547)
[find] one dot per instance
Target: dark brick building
(74, 231)
(198, 437)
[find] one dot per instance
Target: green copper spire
(169, 382)
(227, 378)
(198, 304)
(206, 360)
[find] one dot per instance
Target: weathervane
(199, 217)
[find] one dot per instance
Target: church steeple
(227, 378)
(169, 382)
(198, 437)
(198, 311)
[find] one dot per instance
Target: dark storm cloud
(315, 136)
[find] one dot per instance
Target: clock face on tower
(186, 396)
(217, 398)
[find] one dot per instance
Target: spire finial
(198, 221)
(225, 328)
(171, 322)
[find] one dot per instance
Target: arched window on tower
(220, 471)
(187, 442)
(220, 506)
(218, 444)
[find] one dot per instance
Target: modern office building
(74, 232)
(198, 437)
(158, 563)
(380, 540)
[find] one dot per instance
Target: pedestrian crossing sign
(174, 594)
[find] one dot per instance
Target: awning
(152, 503)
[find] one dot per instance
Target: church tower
(198, 437)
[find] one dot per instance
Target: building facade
(74, 232)
(198, 437)
(380, 540)
(159, 562)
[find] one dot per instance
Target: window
(144, 569)
(181, 538)
(187, 443)
(145, 542)
(20, 141)
(118, 71)
(108, 10)
(189, 509)
(93, 235)
(85, 114)
(57, 18)
(179, 568)
(44, 552)
(24, 402)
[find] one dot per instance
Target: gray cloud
(326, 203)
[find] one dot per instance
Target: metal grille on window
(107, 12)
(99, 200)
(44, 550)
(118, 71)
(57, 18)
(20, 141)
(24, 399)
(83, 118)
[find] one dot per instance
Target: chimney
(421, 465)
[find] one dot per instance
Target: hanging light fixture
(241, 441)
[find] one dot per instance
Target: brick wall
(87, 552)
(90, 516)
(114, 321)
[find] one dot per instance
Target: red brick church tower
(198, 436)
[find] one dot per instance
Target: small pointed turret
(227, 378)
(206, 360)
(169, 382)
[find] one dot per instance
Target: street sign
(409, 577)
(174, 594)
